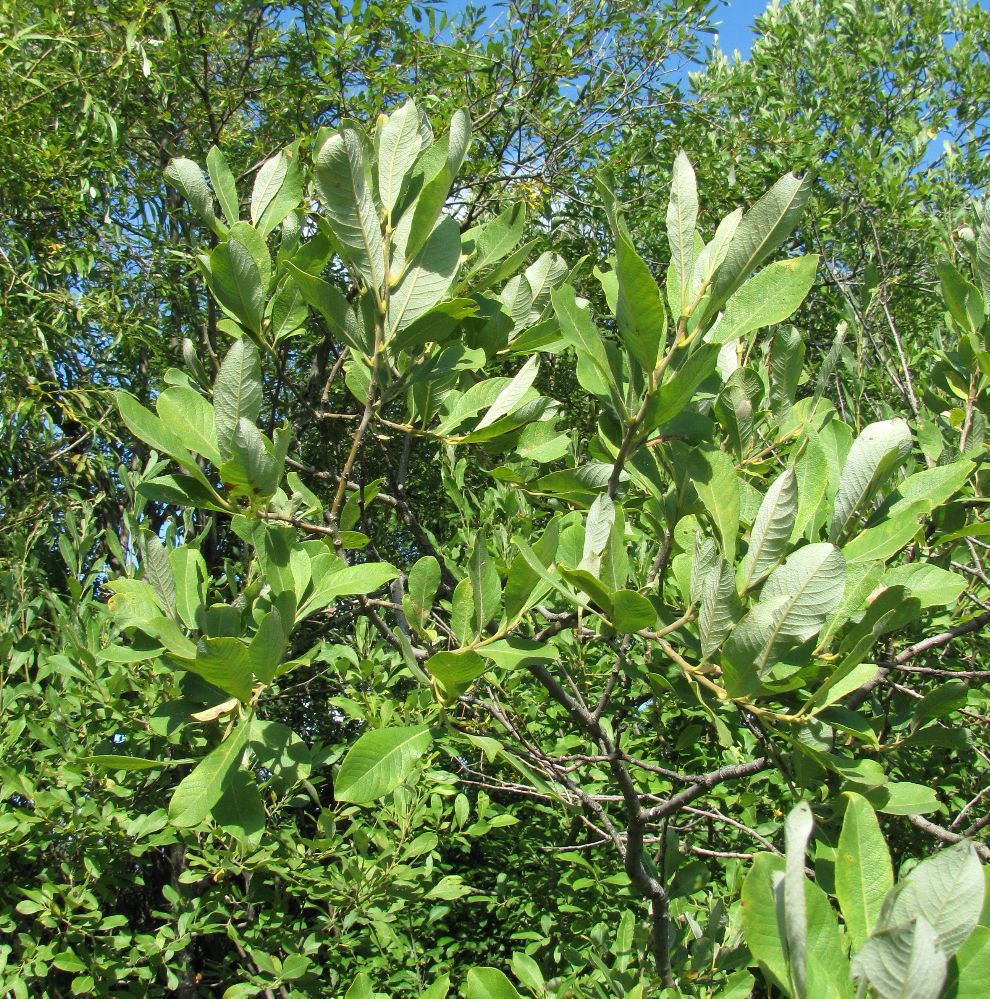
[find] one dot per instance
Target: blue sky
(736, 19)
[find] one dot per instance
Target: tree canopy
(494, 503)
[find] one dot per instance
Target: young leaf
(682, 218)
(378, 763)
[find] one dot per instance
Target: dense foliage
(528, 541)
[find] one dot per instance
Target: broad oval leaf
(379, 761)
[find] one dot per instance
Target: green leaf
(361, 988)
(237, 392)
(863, 872)
(793, 606)
(398, 148)
(631, 612)
(760, 925)
(236, 281)
(797, 831)
(224, 662)
(640, 314)
(512, 396)
(224, 185)
(680, 386)
(933, 486)
(528, 972)
(904, 962)
(240, 810)
(330, 303)
(353, 580)
(905, 798)
(112, 762)
(714, 476)
(714, 583)
(427, 279)
(772, 528)
(200, 790)
(513, 653)
(983, 251)
(438, 990)
(186, 413)
(278, 193)
(769, 297)
(340, 179)
(190, 574)
(267, 183)
(888, 537)
(379, 761)
(580, 332)
(874, 456)
(149, 428)
(489, 983)
(422, 585)
(456, 671)
(786, 364)
(187, 178)
(485, 583)
(763, 228)
(969, 973)
(490, 242)
(682, 219)
(945, 891)
(268, 646)
(931, 585)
